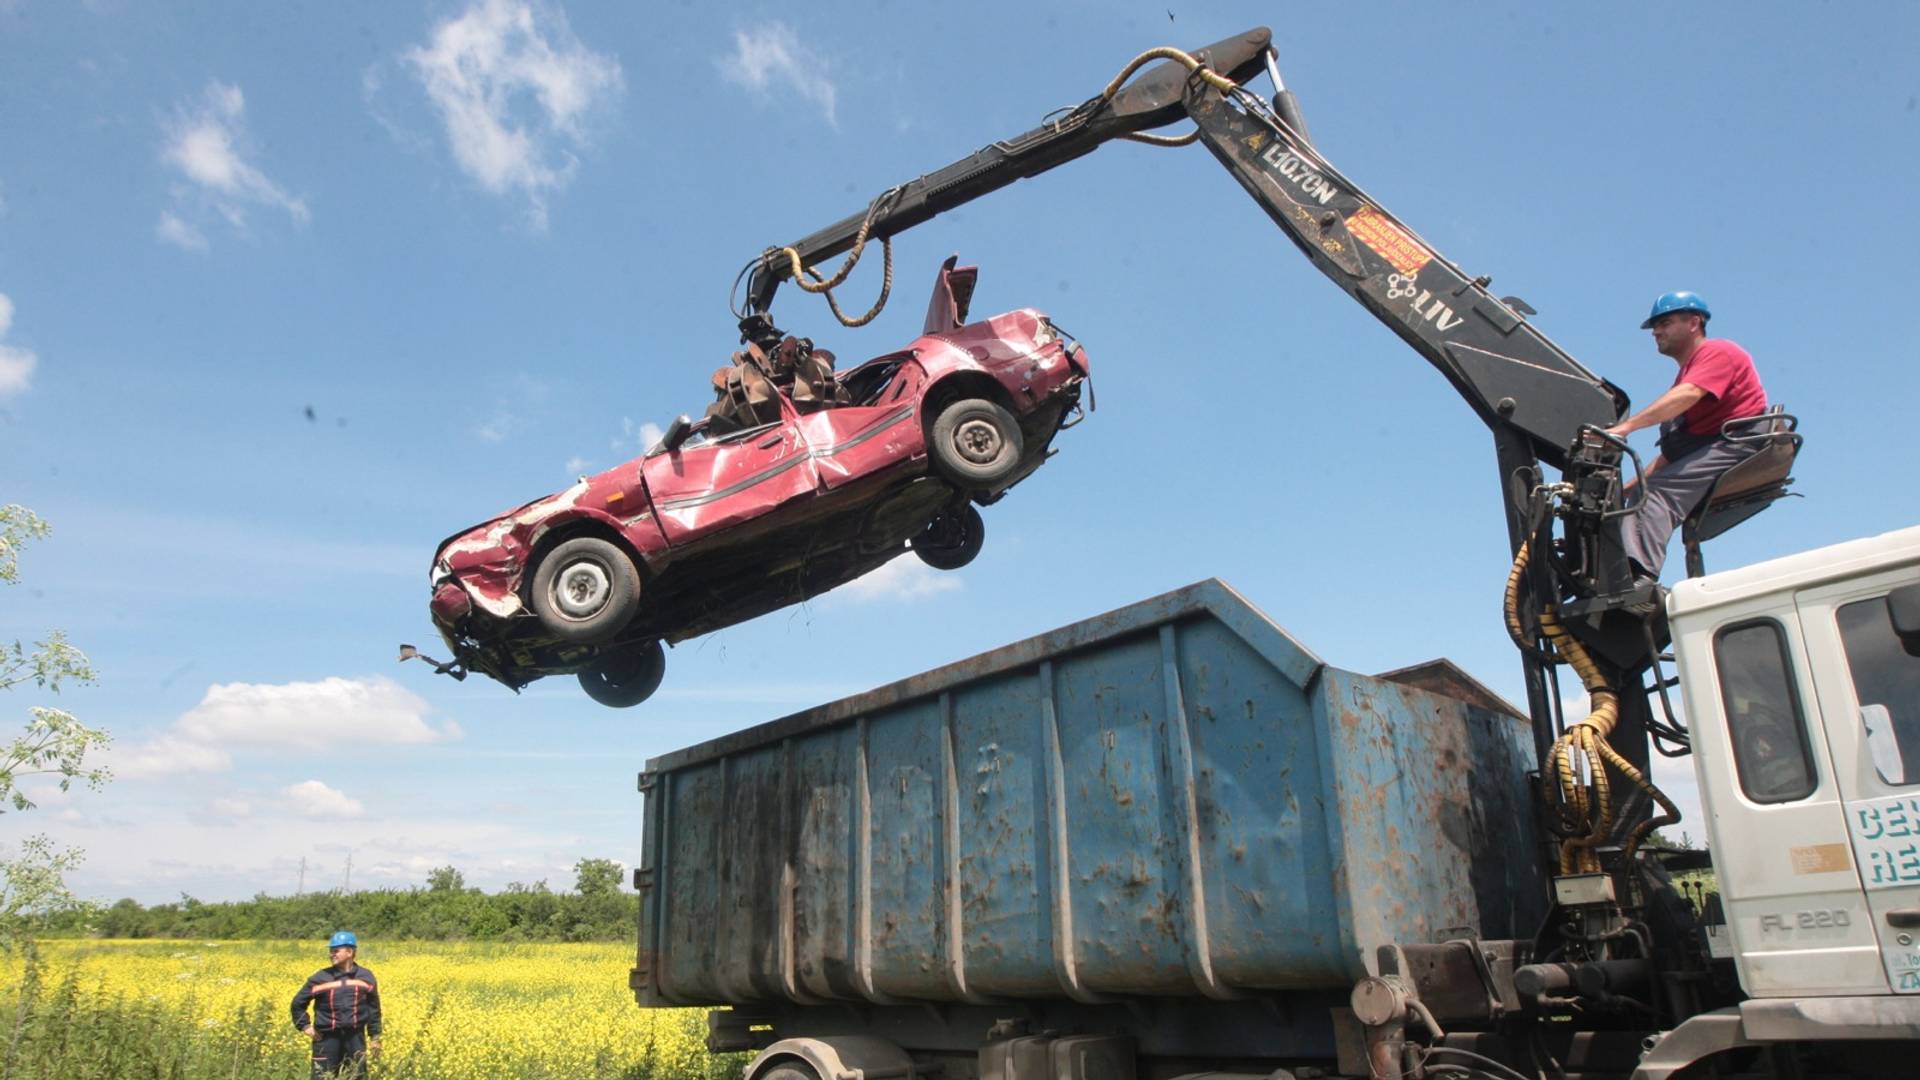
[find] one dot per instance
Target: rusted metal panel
(1429, 796)
(1171, 799)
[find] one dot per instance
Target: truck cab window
(1764, 722)
(1886, 682)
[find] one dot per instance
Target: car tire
(627, 677)
(585, 590)
(951, 540)
(975, 444)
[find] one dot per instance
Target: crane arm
(1156, 99)
(1513, 377)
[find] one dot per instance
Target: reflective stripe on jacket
(339, 999)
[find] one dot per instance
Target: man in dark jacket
(345, 1000)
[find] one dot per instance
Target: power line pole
(348, 887)
(302, 890)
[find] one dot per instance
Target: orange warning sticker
(1392, 243)
(1820, 859)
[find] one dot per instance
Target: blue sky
(488, 243)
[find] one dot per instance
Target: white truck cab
(1802, 687)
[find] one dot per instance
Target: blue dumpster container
(1174, 800)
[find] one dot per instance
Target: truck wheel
(952, 539)
(585, 590)
(975, 443)
(626, 678)
(790, 1072)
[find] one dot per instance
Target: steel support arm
(1153, 100)
(1512, 376)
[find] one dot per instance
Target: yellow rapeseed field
(454, 1011)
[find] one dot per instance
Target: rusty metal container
(1173, 800)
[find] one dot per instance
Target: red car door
(709, 485)
(858, 440)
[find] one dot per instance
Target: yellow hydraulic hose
(1192, 64)
(1167, 52)
(1511, 605)
(1587, 738)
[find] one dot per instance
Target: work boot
(1645, 597)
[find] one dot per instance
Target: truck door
(1869, 694)
(1775, 817)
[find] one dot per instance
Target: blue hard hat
(1677, 301)
(344, 937)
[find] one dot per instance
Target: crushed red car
(713, 526)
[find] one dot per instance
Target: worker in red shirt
(1716, 383)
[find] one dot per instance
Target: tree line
(446, 909)
(55, 746)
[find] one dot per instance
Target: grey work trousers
(1666, 498)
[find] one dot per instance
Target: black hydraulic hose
(1675, 730)
(1486, 1063)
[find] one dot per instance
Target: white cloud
(167, 755)
(632, 441)
(177, 232)
(231, 807)
(312, 716)
(205, 143)
(514, 88)
(905, 578)
(770, 57)
(314, 798)
(286, 718)
(497, 427)
(16, 364)
(372, 85)
(639, 437)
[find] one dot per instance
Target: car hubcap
(978, 441)
(581, 589)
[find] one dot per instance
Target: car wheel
(585, 590)
(976, 443)
(626, 678)
(952, 539)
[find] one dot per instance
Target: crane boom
(1154, 100)
(1512, 376)
(1509, 373)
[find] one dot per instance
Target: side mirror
(1903, 604)
(677, 433)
